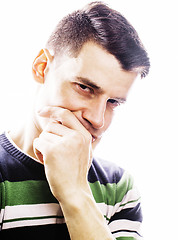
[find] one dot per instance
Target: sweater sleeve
(127, 216)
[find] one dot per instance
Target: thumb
(37, 152)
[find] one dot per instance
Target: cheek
(69, 99)
(70, 102)
(108, 119)
(63, 96)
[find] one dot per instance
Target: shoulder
(115, 187)
(108, 172)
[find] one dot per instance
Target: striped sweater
(28, 208)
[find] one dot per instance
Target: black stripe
(54, 231)
(132, 214)
(16, 166)
(104, 172)
(124, 230)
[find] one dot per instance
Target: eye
(84, 88)
(115, 102)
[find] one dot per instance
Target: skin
(74, 106)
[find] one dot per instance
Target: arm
(84, 220)
(65, 150)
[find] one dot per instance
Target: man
(50, 183)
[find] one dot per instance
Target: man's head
(89, 64)
(108, 28)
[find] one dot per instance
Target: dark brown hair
(98, 23)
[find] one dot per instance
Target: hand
(64, 147)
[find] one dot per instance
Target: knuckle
(82, 139)
(46, 129)
(42, 135)
(49, 126)
(79, 138)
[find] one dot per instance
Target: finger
(64, 116)
(49, 137)
(43, 144)
(56, 113)
(57, 128)
(39, 148)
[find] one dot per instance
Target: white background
(143, 136)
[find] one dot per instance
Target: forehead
(103, 69)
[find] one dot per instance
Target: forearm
(84, 220)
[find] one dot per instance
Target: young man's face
(91, 86)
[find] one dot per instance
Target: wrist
(73, 195)
(73, 199)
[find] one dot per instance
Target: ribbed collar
(16, 152)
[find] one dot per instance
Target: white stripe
(105, 209)
(131, 205)
(35, 222)
(48, 210)
(131, 195)
(109, 210)
(1, 217)
(1, 214)
(124, 224)
(34, 210)
(117, 208)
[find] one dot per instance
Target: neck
(24, 137)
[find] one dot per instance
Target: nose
(95, 113)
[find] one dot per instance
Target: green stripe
(36, 192)
(28, 192)
(123, 186)
(2, 195)
(112, 193)
(106, 218)
(129, 202)
(126, 238)
(31, 218)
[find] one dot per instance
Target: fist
(64, 147)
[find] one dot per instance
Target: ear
(40, 65)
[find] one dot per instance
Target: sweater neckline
(8, 144)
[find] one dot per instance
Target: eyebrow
(92, 84)
(121, 100)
